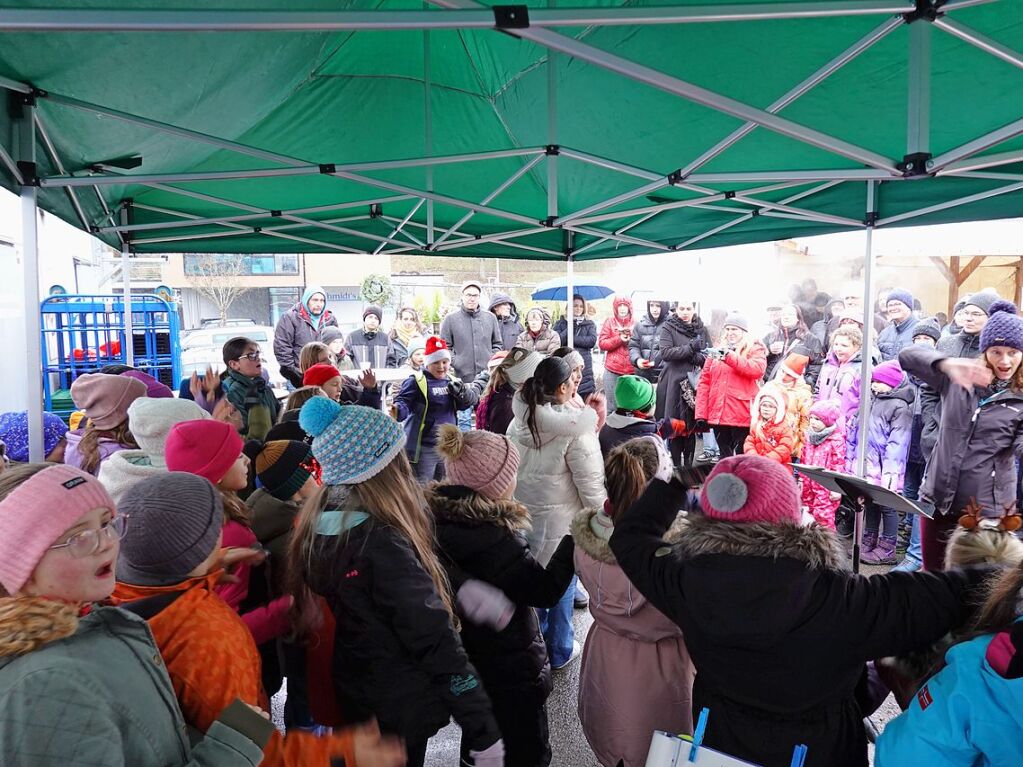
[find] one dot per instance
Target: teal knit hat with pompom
(351, 442)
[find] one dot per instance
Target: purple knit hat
(1004, 327)
(154, 389)
(888, 373)
(750, 488)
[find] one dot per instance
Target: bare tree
(217, 276)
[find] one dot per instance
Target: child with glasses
(247, 389)
(81, 682)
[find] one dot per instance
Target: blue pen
(798, 756)
(701, 727)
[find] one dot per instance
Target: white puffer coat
(561, 477)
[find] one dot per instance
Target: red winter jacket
(727, 387)
(772, 440)
(610, 339)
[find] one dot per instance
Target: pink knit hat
(38, 512)
(888, 373)
(480, 460)
(105, 398)
(749, 488)
(206, 448)
(828, 410)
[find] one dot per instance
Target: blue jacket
(894, 338)
(969, 715)
(424, 403)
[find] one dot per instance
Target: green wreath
(376, 289)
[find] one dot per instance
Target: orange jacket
(212, 659)
(772, 440)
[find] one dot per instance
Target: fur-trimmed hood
(815, 546)
(455, 503)
(599, 548)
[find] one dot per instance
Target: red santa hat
(436, 350)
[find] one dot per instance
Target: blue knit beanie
(1004, 327)
(14, 433)
(902, 296)
(351, 442)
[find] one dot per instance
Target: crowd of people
(403, 560)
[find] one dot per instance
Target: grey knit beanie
(174, 522)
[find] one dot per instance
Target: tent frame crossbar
(146, 20)
(964, 161)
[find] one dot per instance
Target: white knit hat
(151, 420)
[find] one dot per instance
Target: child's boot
(882, 554)
(868, 543)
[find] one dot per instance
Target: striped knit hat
(283, 466)
(352, 443)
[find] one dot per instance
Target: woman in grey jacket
(81, 684)
(980, 434)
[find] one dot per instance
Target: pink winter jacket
(636, 674)
(267, 621)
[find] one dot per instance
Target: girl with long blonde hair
(365, 544)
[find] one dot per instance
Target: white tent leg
(30, 277)
(865, 364)
(570, 291)
(129, 338)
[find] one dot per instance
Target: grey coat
(100, 696)
(294, 330)
(473, 337)
(979, 438)
(510, 326)
(958, 345)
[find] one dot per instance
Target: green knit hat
(634, 393)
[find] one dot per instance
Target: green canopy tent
(569, 130)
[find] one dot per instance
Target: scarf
(816, 437)
(405, 338)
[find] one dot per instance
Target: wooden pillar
(1019, 282)
(953, 284)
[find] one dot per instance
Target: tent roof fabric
(314, 139)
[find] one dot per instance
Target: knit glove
(672, 427)
(456, 389)
(484, 605)
(488, 757)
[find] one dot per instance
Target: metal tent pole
(552, 183)
(129, 331)
(865, 363)
(428, 140)
(30, 279)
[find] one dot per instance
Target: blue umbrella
(557, 290)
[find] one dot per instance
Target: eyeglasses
(471, 295)
(974, 315)
(254, 356)
(88, 542)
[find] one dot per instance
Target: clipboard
(668, 750)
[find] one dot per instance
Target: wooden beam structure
(953, 284)
(1018, 290)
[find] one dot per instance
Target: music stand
(855, 488)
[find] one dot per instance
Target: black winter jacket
(777, 628)
(957, 345)
(396, 655)
(366, 347)
(681, 346)
(585, 338)
(645, 342)
(479, 538)
(798, 342)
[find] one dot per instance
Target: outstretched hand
(230, 558)
(368, 379)
(966, 372)
(373, 750)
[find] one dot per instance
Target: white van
(204, 346)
